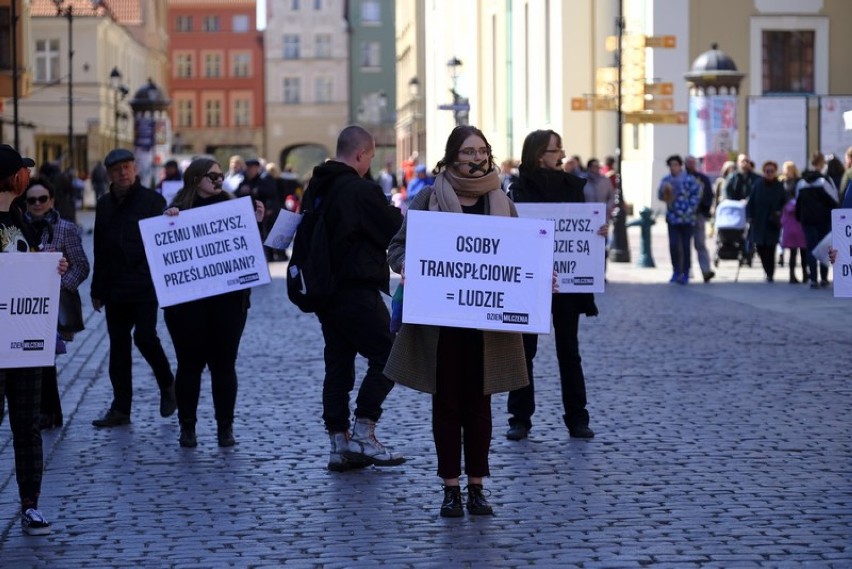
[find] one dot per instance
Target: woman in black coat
(764, 214)
(542, 180)
(207, 332)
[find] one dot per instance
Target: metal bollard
(645, 221)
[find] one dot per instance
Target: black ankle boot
(187, 436)
(226, 435)
(452, 505)
(477, 505)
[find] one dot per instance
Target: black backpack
(311, 282)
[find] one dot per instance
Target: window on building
(323, 89)
(291, 46)
(370, 54)
(242, 112)
(210, 24)
(212, 65)
(5, 38)
(240, 23)
(213, 112)
(371, 12)
(788, 61)
(185, 113)
(317, 5)
(47, 60)
(322, 46)
(184, 23)
(292, 91)
(295, 5)
(183, 65)
(241, 65)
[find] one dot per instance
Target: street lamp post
(459, 113)
(67, 12)
(414, 134)
(619, 250)
(119, 92)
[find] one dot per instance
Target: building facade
(216, 78)
(306, 51)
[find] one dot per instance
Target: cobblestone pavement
(723, 440)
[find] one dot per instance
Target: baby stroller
(732, 234)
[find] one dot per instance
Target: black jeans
(521, 405)
(813, 235)
(356, 322)
(207, 333)
(22, 388)
(141, 319)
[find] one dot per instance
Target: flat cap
(252, 162)
(11, 161)
(118, 156)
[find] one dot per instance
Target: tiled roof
(123, 11)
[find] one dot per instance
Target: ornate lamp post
(460, 105)
(67, 12)
(119, 92)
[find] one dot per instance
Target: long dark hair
(454, 143)
(191, 178)
(535, 145)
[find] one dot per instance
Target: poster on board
(778, 130)
(835, 130)
(478, 271)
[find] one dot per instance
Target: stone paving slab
(723, 441)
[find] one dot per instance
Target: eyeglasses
(769, 171)
(472, 152)
(39, 199)
(552, 150)
(214, 176)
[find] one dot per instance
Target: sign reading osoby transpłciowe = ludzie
(478, 271)
(29, 308)
(204, 251)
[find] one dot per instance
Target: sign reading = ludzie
(476, 271)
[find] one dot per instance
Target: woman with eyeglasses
(460, 367)
(206, 332)
(763, 211)
(542, 179)
(60, 235)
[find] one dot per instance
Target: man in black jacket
(121, 283)
(356, 320)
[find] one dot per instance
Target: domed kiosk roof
(714, 66)
(150, 97)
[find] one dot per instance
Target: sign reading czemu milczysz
(204, 251)
(478, 271)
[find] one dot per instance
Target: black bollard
(619, 250)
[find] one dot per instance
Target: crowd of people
(459, 367)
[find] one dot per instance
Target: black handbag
(70, 311)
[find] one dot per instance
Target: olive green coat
(414, 356)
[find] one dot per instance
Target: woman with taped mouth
(542, 180)
(460, 367)
(207, 332)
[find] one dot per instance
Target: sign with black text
(478, 271)
(579, 252)
(841, 239)
(29, 309)
(204, 251)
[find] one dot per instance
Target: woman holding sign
(542, 180)
(54, 234)
(460, 367)
(207, 332)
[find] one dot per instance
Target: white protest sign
(29, 309)
(204, 251)
(578, 251)
(170, 189)
(841, 236)
(478, 271)
(283, 230)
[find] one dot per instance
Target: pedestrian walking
(53, 233)
(122, 285)
(764, 216)
(21, 387)
(460, 367)
(207, 332)
(542, 179)
(702, 214)
(681, 193)
(356, 319)
(816, 196)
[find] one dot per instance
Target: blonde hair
(789, 165)
(273, 170)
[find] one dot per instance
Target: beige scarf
(449, 186)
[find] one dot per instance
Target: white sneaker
(33, 523)
(363, 446)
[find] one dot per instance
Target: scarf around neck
(449, 186)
